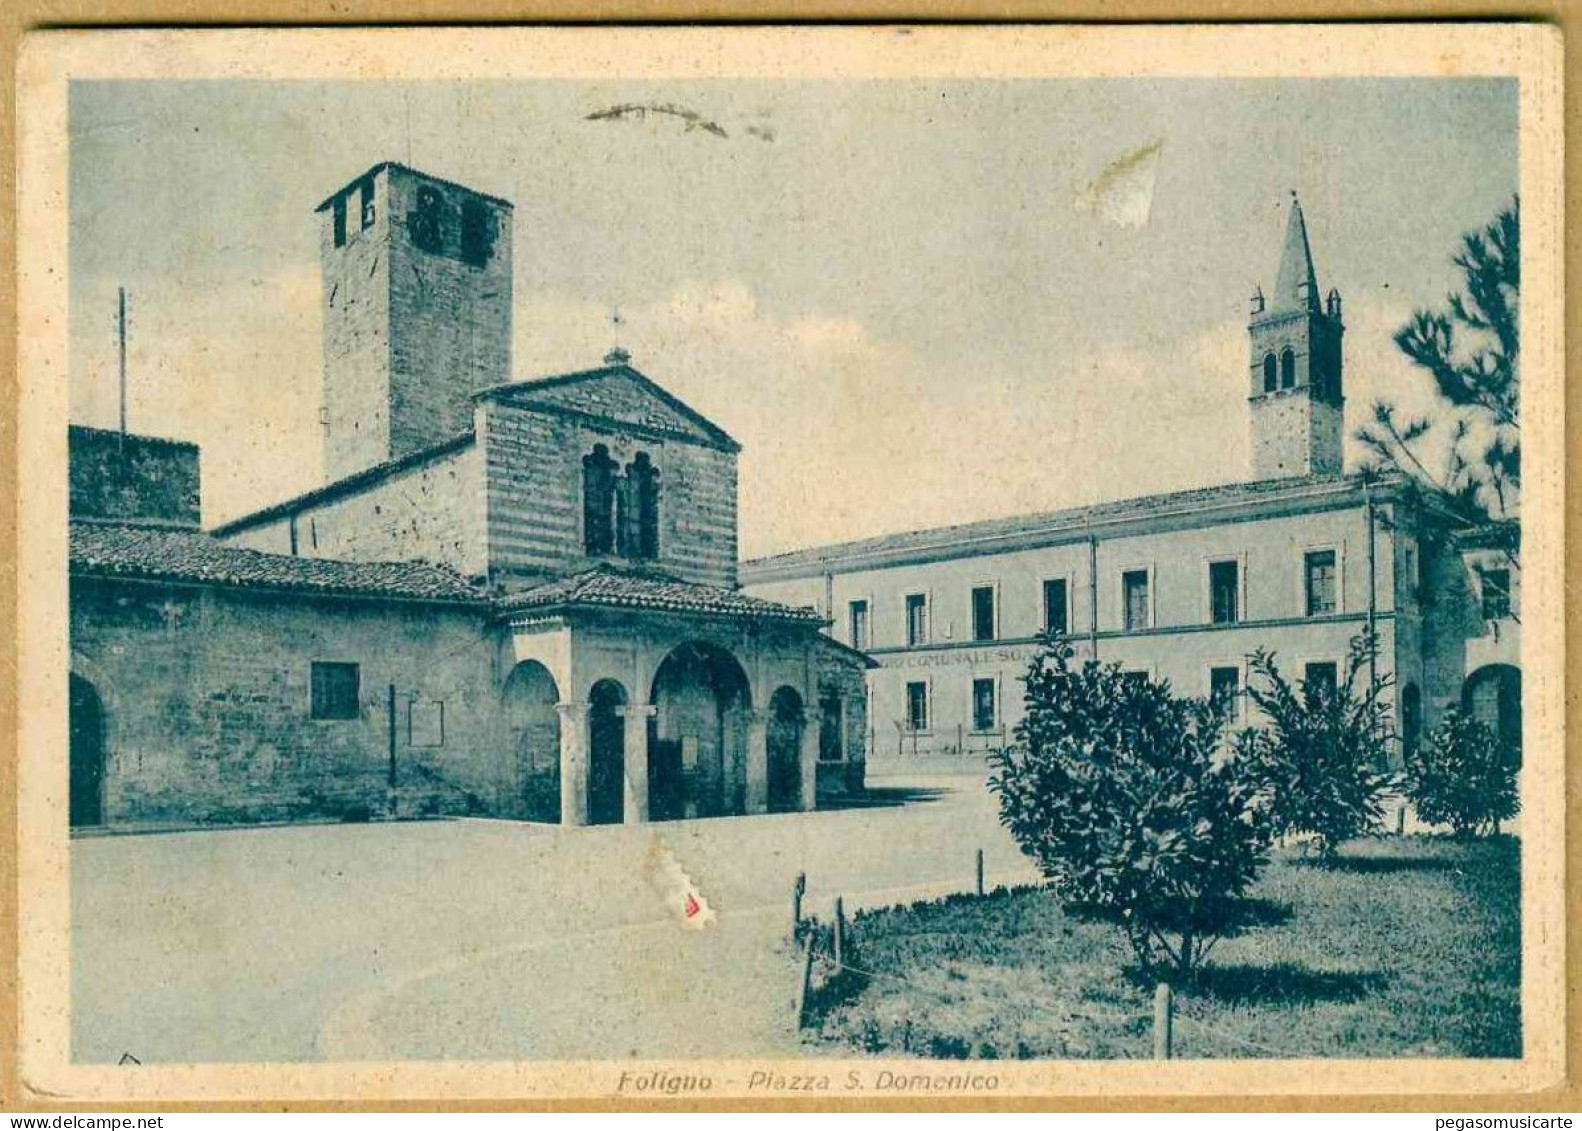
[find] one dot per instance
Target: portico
(673, 700)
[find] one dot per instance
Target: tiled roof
(383, 165)
(607, 587)
(1503, 534)
(1317, 492)
(110, 549)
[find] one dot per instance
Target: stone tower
(1297, 399)
(417, 313)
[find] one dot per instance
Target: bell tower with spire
(1296, 401)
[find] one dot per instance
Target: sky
(913, 302)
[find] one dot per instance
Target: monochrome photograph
(701, 563)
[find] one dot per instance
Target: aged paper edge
(1531, 52)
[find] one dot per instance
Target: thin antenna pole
(120, 328)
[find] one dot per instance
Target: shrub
(1463, 776)
(1322, 761)
(1117, 791)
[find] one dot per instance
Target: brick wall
(356, 297)
(131, 476)
(534, 472)
(207, 700)
(432, 512)
(450, 318)
(410, 331)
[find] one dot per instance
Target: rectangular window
(857, 615)
(831, 730)
(917, 619)
(367, 205)
(334, 691)
(1055, 619)
(983, 612)
(1321, 678)
(917, 706)
(1496, 587)
(1224, 690)
(1134, 587)
(1224, 588)
(983, 718)
(340, 221)
(1319, 567)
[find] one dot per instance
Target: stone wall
(132, 477)
(430, 512)
(534, 471)
(843, 675)
(354, 411)
(450, 311)
(414, 322)
(207, 700)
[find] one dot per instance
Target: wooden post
(1163, 1019)
(980, 871)
(797, 891)
(805, 988)
(1400, 820)
(840, 934)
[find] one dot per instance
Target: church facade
(1300, 559)
(512, 598)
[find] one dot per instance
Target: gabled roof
(162, 553)
(607, 587)
(349, 485)
(619, 394)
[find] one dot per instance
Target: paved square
(484, 939)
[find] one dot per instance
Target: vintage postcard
(783, 563)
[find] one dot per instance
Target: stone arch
(698, 737)
(606, 752)
(1493, 695)
(1287, 368)
(1271, 378)
(532, 723)
(787, 718)
(599, 473)
(89, 755)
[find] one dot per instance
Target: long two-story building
(1298, 560)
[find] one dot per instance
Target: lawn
(1407, 947)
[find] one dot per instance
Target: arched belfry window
(1287, 369)
(598, 500)
(426, 219)
(637, 510)
(1269, 378)
(645, 485)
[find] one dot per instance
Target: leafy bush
(1463, 776)
(1322, 762)
(1117, 792)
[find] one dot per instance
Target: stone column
(635, 716)
(758, 762)
(573, 763)
(812, 718)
